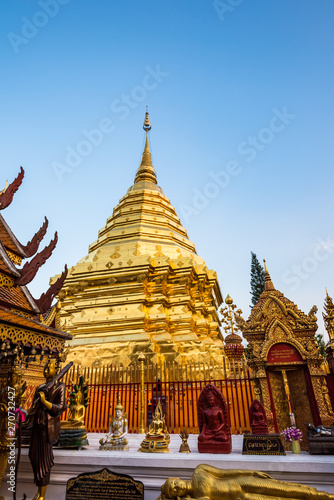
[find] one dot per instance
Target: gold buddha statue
(157, 439)
(210, 483)
(76, 414)
(73, 431)
(115, 439)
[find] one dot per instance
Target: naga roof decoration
(7, 195)
(29, 270)
(45, 300)
(32, 246)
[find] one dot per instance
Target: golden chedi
(142, 286)
(157, 439)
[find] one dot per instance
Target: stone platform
(153, 469)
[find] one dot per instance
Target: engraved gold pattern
(24, 336)
(14, 258)
(6, 280)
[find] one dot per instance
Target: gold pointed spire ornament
(233, 342)
(146, 171)
(268, 284)
(328, 316)
(147, 123)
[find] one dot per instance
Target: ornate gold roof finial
(268, 284)
(328, 316)
(146, 171)
(147, 123)
(233, 347)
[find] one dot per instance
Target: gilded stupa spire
(268, 284)
(146, 171)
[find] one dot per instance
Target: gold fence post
(141, 359)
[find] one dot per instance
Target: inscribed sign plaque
(104, 485)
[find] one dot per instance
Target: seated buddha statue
(258, 419)
(76, 414)
(157, 438)
(211, 483)
(118, 429)
(73, 432)
(215, 435)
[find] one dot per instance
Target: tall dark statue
(48, 405)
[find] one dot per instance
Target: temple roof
(6, 263)
(18, 297)
(9, 240)
(14, 318)
(261, 314)
(21, 318)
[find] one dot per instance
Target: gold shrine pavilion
(142, 287)
(284, 356)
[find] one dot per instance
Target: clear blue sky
(240, 94)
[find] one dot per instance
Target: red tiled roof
(15, 297)
(8, 239)
(3, 266)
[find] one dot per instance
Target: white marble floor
(153, 469)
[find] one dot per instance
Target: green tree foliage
(322, 345)
(257, 279)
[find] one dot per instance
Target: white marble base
(154, 468)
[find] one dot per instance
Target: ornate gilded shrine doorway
(290, 386)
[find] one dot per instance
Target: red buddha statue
(213, 419)
(257, 418)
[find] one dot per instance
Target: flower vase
(295, 446)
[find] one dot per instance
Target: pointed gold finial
(228, 300)
(146, 171)
(147, 123)
(268, 284)
(119, 405)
